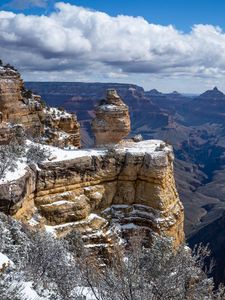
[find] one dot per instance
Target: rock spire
(112, 122)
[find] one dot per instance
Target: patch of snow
(4, 260)
(20, 170)
(51, 229)
(58, 154)
(97, 245)
(109, 107)
(33, 222)
(56, 113)
(56, 203)
(86, 292)
(28, 293)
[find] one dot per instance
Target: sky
(164, 44)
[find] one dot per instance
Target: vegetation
(58, 268)
(17, 150)
(36, 154)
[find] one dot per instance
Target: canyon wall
(21, 106)
(96, 191)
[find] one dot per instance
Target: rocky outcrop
(112, 122)
(20, 106)
(94, 191)
(13, 106)
(61, 128)
(17, 196)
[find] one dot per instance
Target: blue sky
(180, 13)
(163, 44)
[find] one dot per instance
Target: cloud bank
(75, 41)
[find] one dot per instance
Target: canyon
(104, 193)
(193, 124)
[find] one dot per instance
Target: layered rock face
(12, 105)
(112, 122)
(94, 191)
(61, 128)
(19, 106)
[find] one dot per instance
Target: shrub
(36, 154)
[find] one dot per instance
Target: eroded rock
(93, 193)
(112, 122)
(20, 106)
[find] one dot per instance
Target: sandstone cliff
(20, 106)
(92, 191)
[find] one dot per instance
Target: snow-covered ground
(149, 146)
(4, 261)
(154, 147)
(20, 170)
(28, 293)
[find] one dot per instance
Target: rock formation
(112, 122)
(95, 192)
(131, 186)
(20, 106)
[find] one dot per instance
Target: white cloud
(96, 45)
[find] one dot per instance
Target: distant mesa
(112, 121)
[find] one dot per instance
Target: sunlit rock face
(13, 106)
(94, 191)
(19, 106)
(112, 122)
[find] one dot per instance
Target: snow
(4, 261)
(56, 203)
(29, 293)
(105, 245)
(86, 292)
(26, 292)
(151, 147)
(33, 222)
(20, 171)
(148, 146)
(56, 113)
(51, 229)
(58, 154)
(109, 107)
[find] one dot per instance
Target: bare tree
(37, 154)
(135, 272)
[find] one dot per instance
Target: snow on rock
(61, 202)
(52, 229)
(26, 292)
(20, 170)
(153, 147)
(4, 261)
(86, 292)
(109, 107)
(56, 113)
